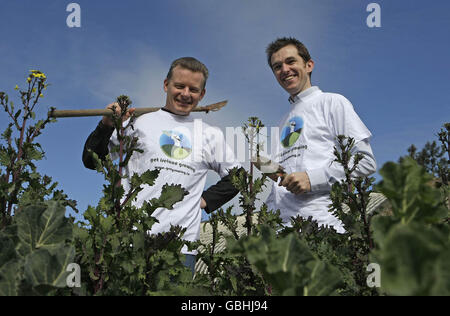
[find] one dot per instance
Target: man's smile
(183, 103)
(288, 79)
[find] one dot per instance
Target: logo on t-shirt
(175, 144)
(291, 131)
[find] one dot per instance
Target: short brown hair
(189, 63)
(279, 43)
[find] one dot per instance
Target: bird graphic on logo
(175, 144)
(291, 131)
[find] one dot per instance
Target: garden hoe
(139, 111)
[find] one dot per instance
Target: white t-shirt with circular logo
(183, 149)
(306, 143)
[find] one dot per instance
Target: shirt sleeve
(219, 157)
(219, 194)
(322, 179)
(98, 142)
(343, 120)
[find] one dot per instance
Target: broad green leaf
(287, 264)
(9, 263)
(441, 284)
(8, 279)
(170, 195)
(148, 177)
(412, 260)
(48, 266)
(325, 279)
(42, 225)
(410, 192)
(7, 244)
(381, 226)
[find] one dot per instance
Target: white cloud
(141, 79)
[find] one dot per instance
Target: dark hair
(279, 43)
(189, 63)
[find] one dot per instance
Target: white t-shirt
(184, 149)
(306, 143)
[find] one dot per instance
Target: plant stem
(119, 182)
(17, 172)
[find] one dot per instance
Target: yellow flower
(16, 88)
(29, 79)
(41, 95)
(39, 75)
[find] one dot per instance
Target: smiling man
(167, 138)
(185, 85)
(305, 148)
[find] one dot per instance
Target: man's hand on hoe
(107, 120)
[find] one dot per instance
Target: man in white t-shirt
(307, 138)
(181, 147)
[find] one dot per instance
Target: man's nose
(185, 92)
(284, 67)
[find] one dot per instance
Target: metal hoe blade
(268, 167)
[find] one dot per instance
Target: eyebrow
(287, 59)
(275, 64)
(185, 85)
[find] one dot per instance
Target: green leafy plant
(353, 192)
(35, 237)
(259, 261)
(228, 273)
(347, 252)
(413, 242)
(248, 187)
(20, 183)
(287, 264)
(433, 156)
(36, 249)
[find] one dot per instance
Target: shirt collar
(177, 117)
(167, 110)
(303, 94)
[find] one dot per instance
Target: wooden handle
(138, 111)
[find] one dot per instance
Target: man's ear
(310, 65)
(166, 83)
(202, 94)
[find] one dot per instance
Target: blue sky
(396, 76)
